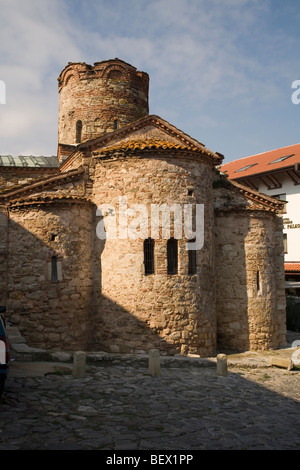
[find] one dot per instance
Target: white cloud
(35, 37)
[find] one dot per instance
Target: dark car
(4, 351)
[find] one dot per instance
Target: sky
(221, 71)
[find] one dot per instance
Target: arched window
(114, 75)
(149, 256)
(192, 260)
(78, 131)
(172, 256)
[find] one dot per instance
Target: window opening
(285, 243)
(54, 277)
(192, 260)
(172, 256)
(149, 256)
(245, 167)
(115, 124)
(281, 159)
(78, 131)
(258, 281)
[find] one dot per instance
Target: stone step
(16, 339)
(12, 330)
(14, 336)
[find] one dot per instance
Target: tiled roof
(263, 163)
(29, 161)
(18, 191)
(97, 144)
(270, 203)
(292, 267)
(148, 144)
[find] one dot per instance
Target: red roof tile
(263, 162)
(292, 267)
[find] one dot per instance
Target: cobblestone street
(121, 407)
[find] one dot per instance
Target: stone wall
(250, 280)
(175, 313)
(51, 312)
(66, 288)
(102, 97)
(103, 300)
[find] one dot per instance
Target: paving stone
(185, 408)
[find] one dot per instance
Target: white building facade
(277, 174)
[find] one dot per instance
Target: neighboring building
(277, 174)
(66, 287)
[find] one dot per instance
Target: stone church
(67, 288)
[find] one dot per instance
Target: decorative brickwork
(98, 99)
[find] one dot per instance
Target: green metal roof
(29, 161)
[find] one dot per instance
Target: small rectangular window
(149, 256)
(78, 131)
(257, 281)
(172, 256)
(285, 243)
(54, 276)
(192, 260)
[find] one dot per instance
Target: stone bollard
(79, 363)
(222, 365)
(154, 363)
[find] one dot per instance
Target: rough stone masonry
(67, 289)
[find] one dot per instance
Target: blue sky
(220, 70)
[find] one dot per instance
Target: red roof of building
(292, 267)
(278, 159)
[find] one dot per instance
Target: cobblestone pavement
(121, 407)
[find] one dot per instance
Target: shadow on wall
(247, 282)
(53, 288)
(231, 280)
(114, 328)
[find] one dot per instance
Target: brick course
(98, 96)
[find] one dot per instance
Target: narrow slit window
(115, 124)
(192, 260)
(149, 256)
(285, 243)
(78, 131)
(172, 256)
(54, 276)
(258, 281)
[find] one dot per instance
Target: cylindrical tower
(94, 100)
(50, 289)
(154, 293)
